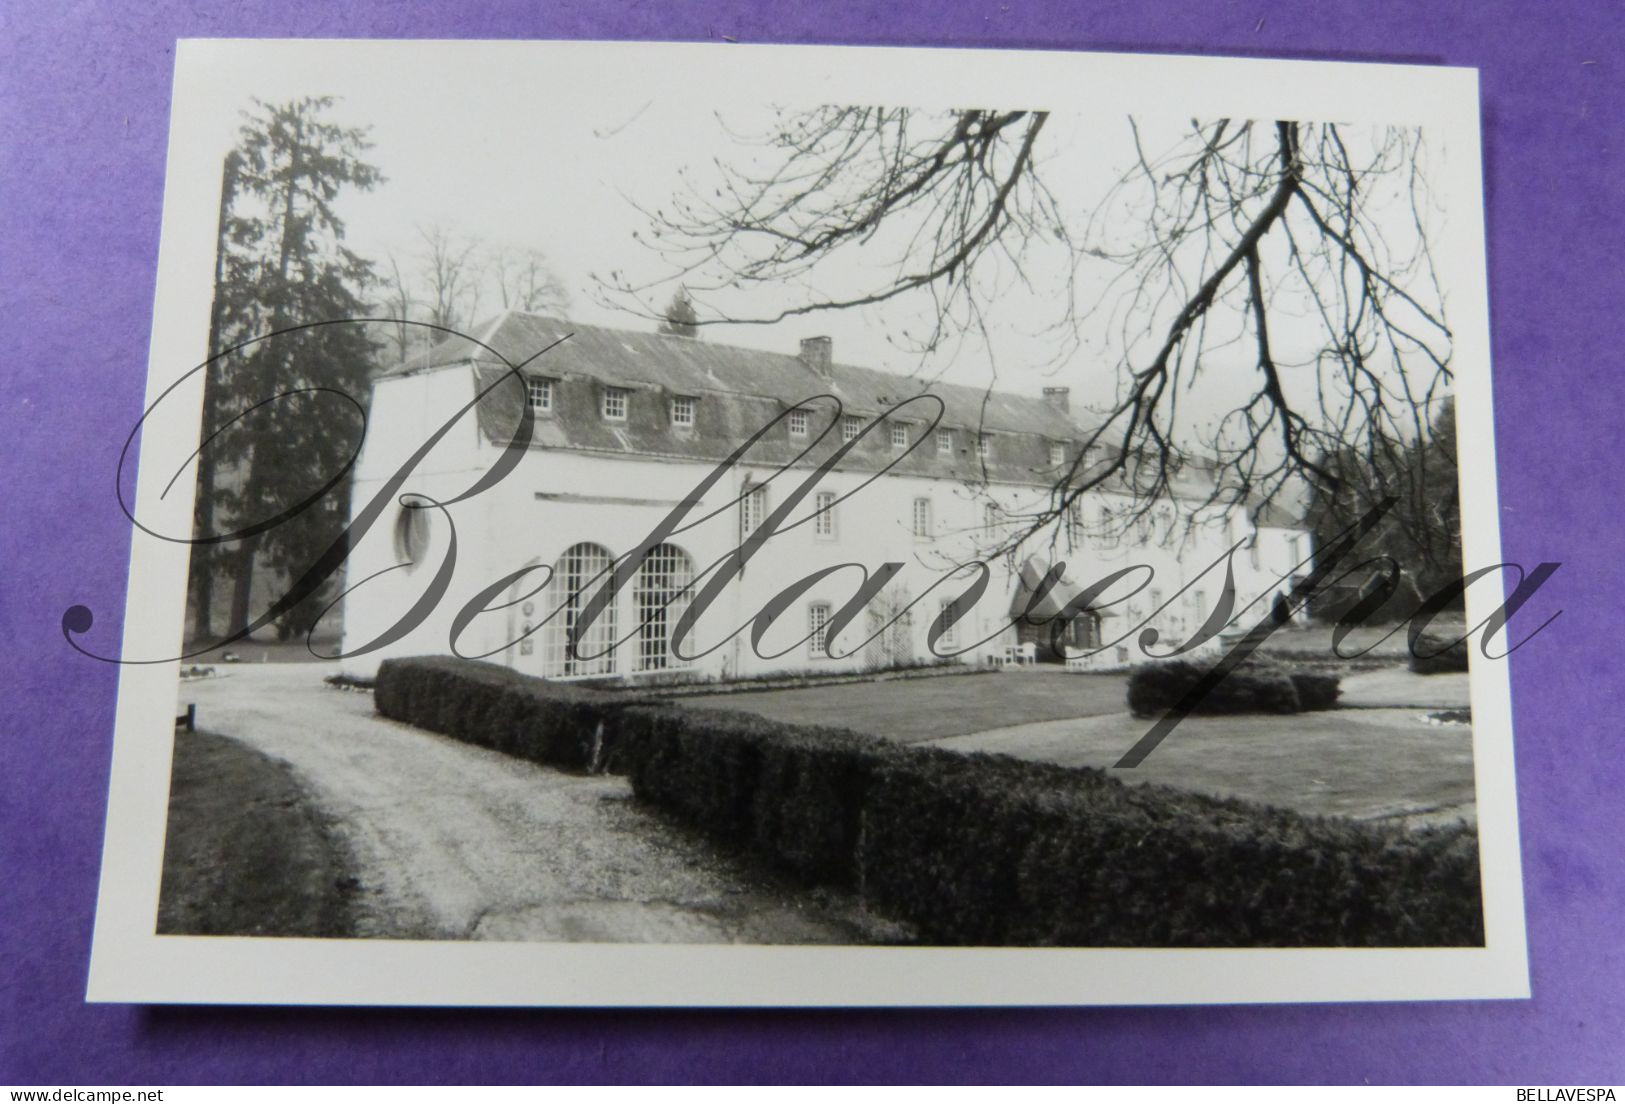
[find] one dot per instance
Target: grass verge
(246, 851)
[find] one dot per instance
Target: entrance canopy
(1044, 590)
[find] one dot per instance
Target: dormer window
(899, 435)
(1057, 454)
(984, 445)
(682, 410)
(539, 394)
(851, 427)
(798, 423)
(945, 442)
(614, 405)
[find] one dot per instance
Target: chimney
(816, 353)
(1059, 397)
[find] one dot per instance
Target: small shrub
(1250, 688)
(1437, 655)
(1316, 689)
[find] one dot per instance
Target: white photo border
(130, 962)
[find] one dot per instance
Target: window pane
(922, 517)
(752, 509)
(824, 525)
(817, 622)
(661, 594)
(576, 578)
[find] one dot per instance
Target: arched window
(577, 577)
(660, 593)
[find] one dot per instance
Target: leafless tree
(1299, 250)
(449, 277)
(450, 281)
(522, 279)
(398, 304)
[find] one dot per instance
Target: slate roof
(740, 390)
(694, 366)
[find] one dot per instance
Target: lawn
(246, 852)
(1380, 760)
(1362, 763)
(912, 709)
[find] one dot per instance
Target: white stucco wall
(556, 498)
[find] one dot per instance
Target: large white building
(631, 428)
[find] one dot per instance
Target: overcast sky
(531, 160)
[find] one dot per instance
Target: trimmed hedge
(555, 723)
(981, 852)
(1437, 655)
(1155, 687)
(794, 793)
(1250, 688)
(1317, 690)
(978, 849)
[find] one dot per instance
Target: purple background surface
(84, 102)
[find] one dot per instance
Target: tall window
(1165, 524)
(1110, 529)
(824, 523)
(817, 624)
(577, 576)
(922, 517)
(798, 423)
(1074, 522)
(752, 509)
(539, 393)
(990, 517)
(899, 435)
(615, 404)
(984, 445)
(661, 594)
(945, 442)
(682, 410)
(850, 428)
(949, 619)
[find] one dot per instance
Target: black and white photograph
(652, 525)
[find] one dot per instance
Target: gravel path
(456, 842)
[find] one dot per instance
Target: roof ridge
(924, 386)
